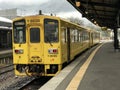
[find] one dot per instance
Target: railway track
(6, 69)
(10, 82)
(19, 85)
(6, 63)
(35, 84)
(30, 83)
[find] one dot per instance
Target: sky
(30, 7)
(61, 8)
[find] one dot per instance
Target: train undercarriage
(37, 69)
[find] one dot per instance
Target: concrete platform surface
(104, 71)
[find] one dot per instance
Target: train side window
(34, 35)
(82, 36)
(79, 36)
(75, 35)
(72, 35)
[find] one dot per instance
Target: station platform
(5, 51)
(97, 69)
(103, 72)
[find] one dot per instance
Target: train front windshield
(51, 31)
(19, 31)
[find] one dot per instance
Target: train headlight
(52, 51)
(19, 51)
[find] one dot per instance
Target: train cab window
(51, 30)
(19, 31)
(34, 35)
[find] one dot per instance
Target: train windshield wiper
(49, 41)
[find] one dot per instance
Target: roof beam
(107, 24)
(102, 19)
(100, 4)
(101, 10)
(101, 14)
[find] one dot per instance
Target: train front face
(36, 46)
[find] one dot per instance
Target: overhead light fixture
(86, 12)
(77, 3)
(92, 19)
(95, 22)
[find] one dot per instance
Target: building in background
(9, 13)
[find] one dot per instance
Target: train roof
(43, 16)
(55, 17)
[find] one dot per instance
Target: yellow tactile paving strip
(78, 77)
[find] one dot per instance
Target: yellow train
(43, 44)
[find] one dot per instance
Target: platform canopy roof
(102, 12)
(4, 22)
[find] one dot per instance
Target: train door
(35, 45)
(68, 44)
